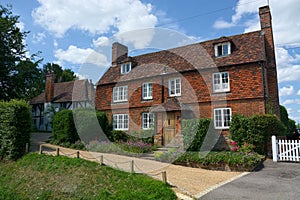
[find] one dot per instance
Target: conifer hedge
(15, 129)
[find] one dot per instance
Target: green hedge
(15, 128)
(64, 128)
(194, 132)
(86, 128)
(256, 130)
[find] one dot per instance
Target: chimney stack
(118, 50)
(49, 90)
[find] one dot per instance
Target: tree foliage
(61, 75)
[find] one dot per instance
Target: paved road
(274, 181)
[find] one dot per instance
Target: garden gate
(285, 150)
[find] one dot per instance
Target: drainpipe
(264, 85)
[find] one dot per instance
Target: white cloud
(291, 101)
(221, 24)
(288, 65)
(298, 93)
(93, 16)
(101, 41)
(38, 38)
(21, 26)
(286, 91)
(77, 55)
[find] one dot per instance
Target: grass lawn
(47, 177)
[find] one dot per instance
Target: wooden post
(274, 148)
(132, 166)
(77, 154)
(57, 151)
(41, 149)
(27, 148)
(101, 160)
(164, 176)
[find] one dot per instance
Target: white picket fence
(285, 150)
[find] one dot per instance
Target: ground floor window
(147, 119)
(120, 122)
(222, 117)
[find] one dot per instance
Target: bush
(194, 132)
(15, 128)
(255, 130)
(145, 136)
(91, 124)
(64, 128)
(117, 135)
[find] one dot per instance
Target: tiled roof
(80, 90)
(245, 48)
(172, 104)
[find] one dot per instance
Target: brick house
(211, 79)
(67, 95)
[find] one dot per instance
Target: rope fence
(101, 159)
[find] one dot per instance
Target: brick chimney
(272, 82)
(118, 50)
(49, 90)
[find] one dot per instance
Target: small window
(222, 49)
(125, 68)
(221, 82)
(147, 91)
(175, 87)
(222, 117)
(120, 94)
(120, 122)
(147, 121)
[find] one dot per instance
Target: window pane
(225, 49)
(220, 52)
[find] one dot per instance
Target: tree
(61, 75)
(288, 123)
(12, 51)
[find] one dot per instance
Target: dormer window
(222, 49)
(126, 68)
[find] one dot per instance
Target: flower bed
(223, 160)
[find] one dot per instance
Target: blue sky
(68, 32)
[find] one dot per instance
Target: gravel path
(187, 182)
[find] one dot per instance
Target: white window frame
(222, 86)
(147, 121)
(221, 118)
(175, 86)
(222, 45)
(120, 122)
(147, 91)
(125, 68)
(120, 94)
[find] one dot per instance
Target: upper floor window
(222, 49)
(120, 94)
(147, 91)
(221, 82)
(147, 120)
(175, 87)
(126, 68)
(222, 117)
(120, 122)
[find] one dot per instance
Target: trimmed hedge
(64, 128)
(256, 130)
(194, 132)
(15, 128)
(86, 128)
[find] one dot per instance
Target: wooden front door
(169, 128)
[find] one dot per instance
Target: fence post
(274, 148)
(27, 148)
(77, 154)
(132, 166)
(101, 160)
(57, 151)
(164, 176)
(41, 149)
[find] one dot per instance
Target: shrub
(64, 128)
(117, 135)
(145, 136)
(194, 132)
(255, 130)
(15, 128)
(91, 124)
